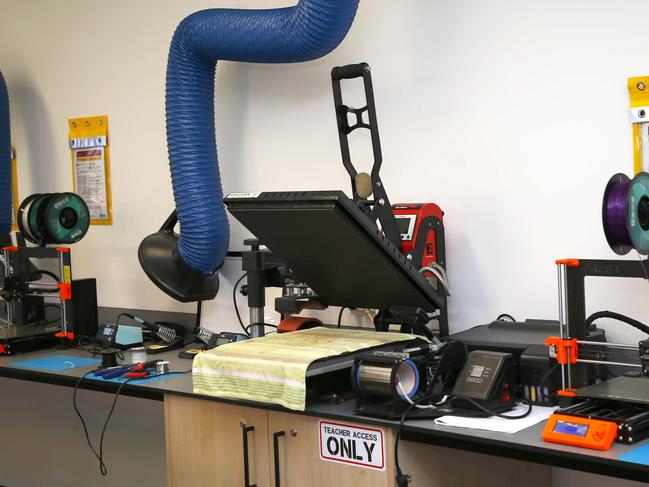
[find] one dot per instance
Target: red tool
(125, 370)
(137, 375)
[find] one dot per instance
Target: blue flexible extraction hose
(5, 161)
(307, 31)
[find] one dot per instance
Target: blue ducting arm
(307, 31)
(5, 161)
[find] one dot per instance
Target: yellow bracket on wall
(639, 111)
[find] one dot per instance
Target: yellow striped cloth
(272, 369)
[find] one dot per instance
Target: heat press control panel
(420, 226)
(484, 376)
(584, 432)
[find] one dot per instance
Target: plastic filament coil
(625, 213)
(380, 380)
(59, 218)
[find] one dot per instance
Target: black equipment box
(536, 372)
(106, 336)
(85, 315)
(487, 378)
(508, 336)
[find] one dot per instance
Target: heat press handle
(246, 465)
(276, 437)
(349, 71)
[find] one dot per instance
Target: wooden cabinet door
(205, 442)
(299, 461)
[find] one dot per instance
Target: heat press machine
(325, 249)
(341, 254)
(28, 290)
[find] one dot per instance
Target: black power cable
(505, 317)
(489, 412)
(100, 456)
(402, 479)
(236, 306)
(619, 317)
(199, 312)
(266, 325)
(43, 272)
(340, 315)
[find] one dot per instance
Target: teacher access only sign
(352, 445)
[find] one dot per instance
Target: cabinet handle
(276, 437)
(246, 469)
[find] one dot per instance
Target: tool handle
(350, 71)
(276, 437)
(136, 375)
(113, 374)
(103, 372)
(246, 465)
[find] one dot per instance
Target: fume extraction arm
(5, 166)
(184, 266)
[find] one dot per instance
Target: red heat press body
(421, 229)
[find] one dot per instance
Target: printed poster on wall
(91, 166)
(90, 180)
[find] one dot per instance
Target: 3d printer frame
(15, 332)
(573, 332)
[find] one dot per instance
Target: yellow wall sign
(88, 138)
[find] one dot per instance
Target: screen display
(477, 370)
(108, 330)
(404, 223)
(571, 428)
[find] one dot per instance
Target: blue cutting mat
(637, 455)
(144, 380)
(55, 363)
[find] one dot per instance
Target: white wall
(509, 114)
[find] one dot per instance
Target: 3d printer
(39, 308)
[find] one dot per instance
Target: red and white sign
(352, 445)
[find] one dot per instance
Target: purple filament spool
(615, 214)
